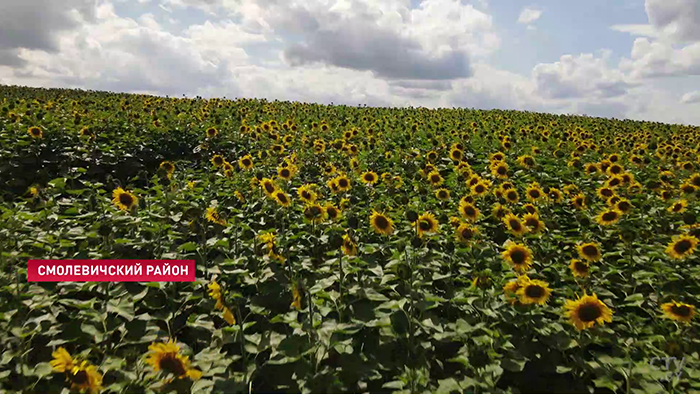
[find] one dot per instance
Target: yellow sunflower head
(678, 311)
(466, 233)
(349, 246)
(35, 132)
(315, 213)
(124, 200)
(682, 246)
(514, 225)
(579, 268)
(469, 211)
(245, 162)
(381, 223)
(426, 223)
(589, 251)
(609, 217)
(586, 311)
(517, 256)
(85, 377)
(534, 292)
(370, 177)
(281, 198)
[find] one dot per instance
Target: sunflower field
(346, 249)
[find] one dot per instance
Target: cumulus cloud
(529, 15)
(582, 76)
(658, 59)
(437, 40)
(691, 97)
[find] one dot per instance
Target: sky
(624, 59)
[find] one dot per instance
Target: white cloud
(691, 97)
(529, 15)
(582, 76)
(651, 59)
(637, 30)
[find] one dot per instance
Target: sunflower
(579, 268)
(608, 217)
(534, 292)
(268, 186)
(534, 192)
(426, 223)
(349, 246)
(479, 189)
(512, 196)
(531, 209)
(287, 172)
(456, 154)
(213, 216)
(370, 177)
(517, 256)
(245, 162)
(469, 211)
(688, 188)
(533, 223)
(589, 251)
(281, 198)
(306, 193)
(332, 211)
(555, 195)
(435, 178)
(212, 132)
(466, 233)
(586, 311)
(86, 378)
(678, 311)
(624, 205)
(381, 223)
(678, 207)
(168, 167)
(605, 192)
(166, 357)
(62, 360)
(442, 194)
(35, 132)
(511, 288)
(343, 183)
(514, 225)
(217, 160)
(526, 161)
(500, 170)
(123, 199)
(431, 156)
(579, 201)
(315, 213)
(682, 246)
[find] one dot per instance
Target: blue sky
(637, 59)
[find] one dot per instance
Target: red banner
(111, 271)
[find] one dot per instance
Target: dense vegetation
(346, 249)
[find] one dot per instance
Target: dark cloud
(33, 24)
(366, 47)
